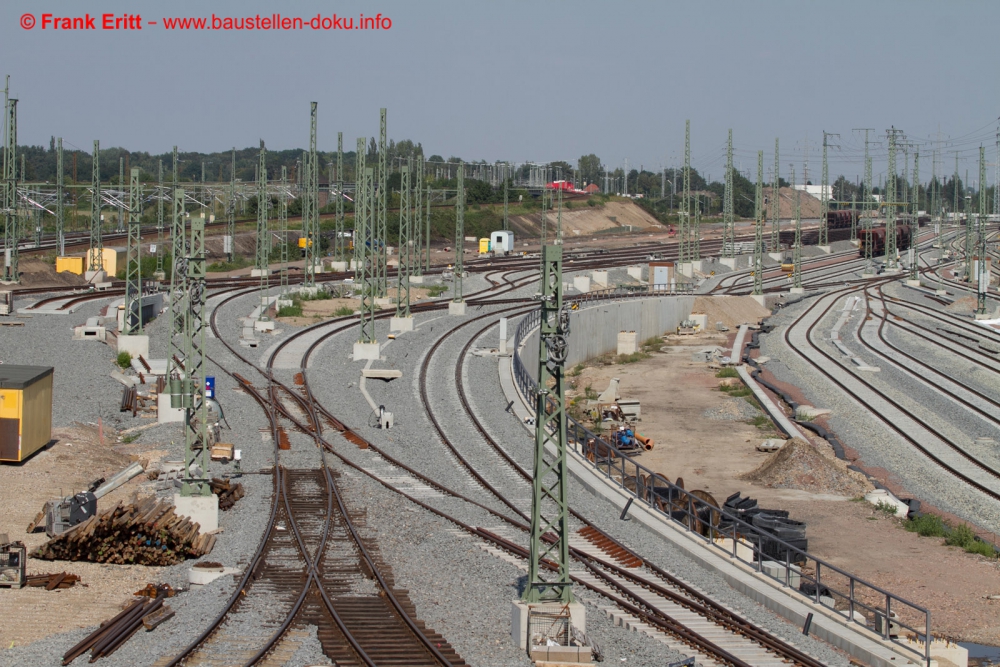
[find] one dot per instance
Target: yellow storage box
(484, 246)
(70, 264)
(25, 410)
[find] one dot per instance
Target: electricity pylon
(283, 230)
(728, 224)
(231, 208)
(60, 213)
(96, 240)
(403, 269)
(459, 234)
(797, 245)
(310, 214)
(338, 241)
(684, 215)
(982, 274)
(263, 232)
(159, 275)
(133, 274)
(915, 225)
(890, 203)
(380, 243)
(758, 246)
(550, 505)
(776, 204)
(418, 228)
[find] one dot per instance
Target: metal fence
(808, 576)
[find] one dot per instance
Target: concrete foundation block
(744, 550)
(635, 272)
(698, 265)
(867, 275)
(202, 509)
(337, 265)
(137, 345)
(95, 276)
(257, 273)
(728, 261)
(310, 290)
(796, 290)
(200, 576)
(282, 303)
(581, 283)
(383, 302)
(777, 256)
(825, 248)
(166, 414)
(159, 275)
(456, 308)
(777, 570)
(913, 283)
(760, 298)
(90, 333)
(366, 351)
(401, 324)
(416, 280)
(263, 325)
(599, 278)
(520, 611)
(627, 342)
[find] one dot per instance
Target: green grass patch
(576, 370)
(727, 372)
(761, 421)
(590, 393)
(294, 310)
(239, 262)
(631, 358)
(124, 360)
(343, 311)
(435, 291)
(654, 344)
(960, 536)
(130, 438)
(889, 509)
(736, 391)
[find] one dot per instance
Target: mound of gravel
(799, 465)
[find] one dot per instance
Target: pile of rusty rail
(146, 611)
(52, 581)
(227, 491)
(147, 532)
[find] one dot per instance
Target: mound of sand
(730, 310)
(799, 465)
(583, 220)
(810, 206)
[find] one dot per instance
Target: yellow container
(484, 246)
(303, 241)
(109, 261)
(25, 410)
(69, 264)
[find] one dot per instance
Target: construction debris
(52, 581)
(154, 591)
(13, 557)
(228, 492)
(143, 533)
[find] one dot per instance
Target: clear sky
(524, 80)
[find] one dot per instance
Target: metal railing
(818, 581)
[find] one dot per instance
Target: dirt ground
(675, 393)
(36, 273)
(75, 460)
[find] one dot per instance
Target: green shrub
(124, 360)
(590, 393)
(295, 310)
(592, 202)
(727, 372)
(736, 391)
(239, 262)
(343, 311)
(761, 421)
(576, 370)
(982, 548)
(654, 344)
(960, 536)
(927, 525)
(320, 295)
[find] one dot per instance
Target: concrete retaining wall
(594, 330)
